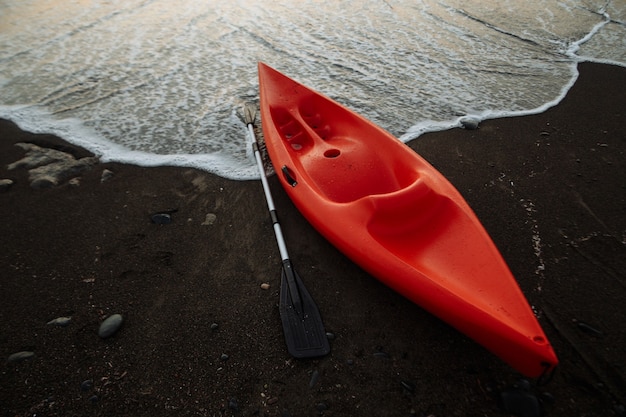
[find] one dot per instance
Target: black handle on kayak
(288, 176)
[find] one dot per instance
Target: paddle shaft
(282, 247)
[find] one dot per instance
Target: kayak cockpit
(346, 164)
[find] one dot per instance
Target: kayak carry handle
(289, 176)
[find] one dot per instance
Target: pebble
(321, 407)
(233, 405)
(86, 385)
(43, 181)
(330, 336)
(21, 356)
(49, 167)
(161, 218)
(61, 321)
(37, 156)
(383, 355)
(265, 286)
(520, 402)
(110, 326)
(588, 329)
(209, 219)
(547, 398)
(315, 376)
(214, 326)
(106, 175)
(224, 357)
(408, 386)
(470, 123)
(5, 184)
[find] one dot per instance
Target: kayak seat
(404, 212)
(344, 170)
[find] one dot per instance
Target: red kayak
(398, 218)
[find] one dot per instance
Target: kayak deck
(397, 217)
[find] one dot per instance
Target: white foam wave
(162, 83)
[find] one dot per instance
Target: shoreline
(548, 187)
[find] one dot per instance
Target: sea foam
(163, 82)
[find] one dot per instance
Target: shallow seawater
(157, 82)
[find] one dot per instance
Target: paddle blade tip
(249, 113)
(305, 335)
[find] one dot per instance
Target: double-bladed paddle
(302, 324)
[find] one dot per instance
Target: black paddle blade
(304, 331)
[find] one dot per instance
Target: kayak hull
(397, 217)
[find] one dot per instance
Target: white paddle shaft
(282, 247)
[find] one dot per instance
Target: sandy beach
(201, 337)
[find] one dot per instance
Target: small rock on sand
(110, 326)
(161, 218)
(20, 356)
(209, 219)
(61, 321)
(106, 175)
(5, 184)
(470, 123)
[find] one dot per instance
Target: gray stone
(110, 326)
(57, 172)
(20, 356)
(470, 123)
(38, 156)
(50, 167)
(209, 219)
(43, 181)
(315, 376)
(106, 175)
(61, 321)
(5, 184)
(161, 218)
(86, 385)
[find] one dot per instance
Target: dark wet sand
(550, 189)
